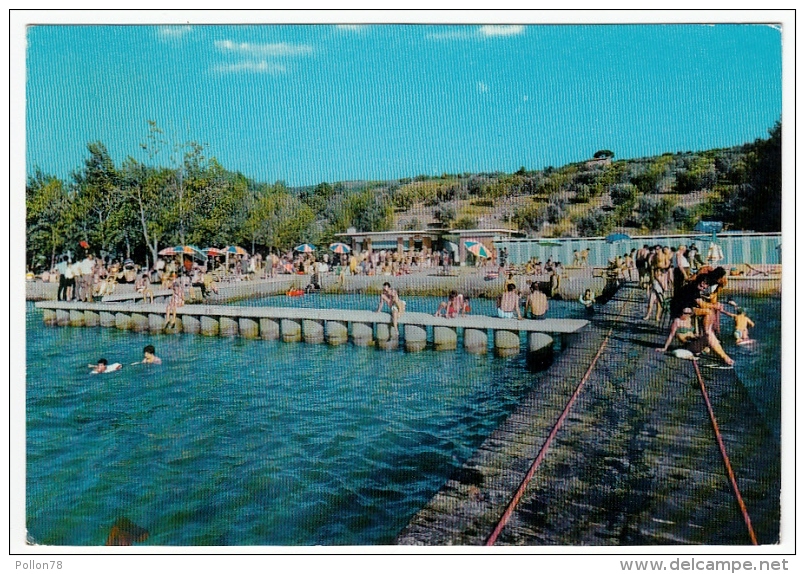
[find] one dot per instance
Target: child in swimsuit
(103, 366)
(742, 324)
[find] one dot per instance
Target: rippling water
(234, 441)
(240, 442)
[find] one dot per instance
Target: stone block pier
(333, 326)
(616, 445)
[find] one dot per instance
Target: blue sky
(306, 104)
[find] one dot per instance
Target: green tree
(97, 198)
(594, 224)
(47, 216)
(757, 204)
(147, 191)
(445, 214)
(654, 213)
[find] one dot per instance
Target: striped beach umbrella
(191, 250)
(476, 248)
(213, 251)
(340, 248)
(305, 248)
(235, 250)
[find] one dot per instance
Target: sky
(312, 103)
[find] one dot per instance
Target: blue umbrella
(305, 248)
(615, 237)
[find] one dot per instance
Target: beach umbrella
(235, 250)
(549, 243)
(305, 248)
(615, 237)
(191, 250)
(340, 248)
(213, 251)
(476, 248)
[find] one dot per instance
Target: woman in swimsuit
(683, 330)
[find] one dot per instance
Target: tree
(47, 216)
(654, 213)
(697, 175)
(279, 220)
(444, 214)
(757, 203)
(144, 188)
(466, 222)
(603, 153)
(595, 223)
(97, 198)
(623, 193)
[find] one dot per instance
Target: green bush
(654, 213)
(594, 224)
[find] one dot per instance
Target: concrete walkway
(635, 462)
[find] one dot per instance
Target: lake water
(241, 442)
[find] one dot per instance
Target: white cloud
(490, 31)
(451, 35)
(482, 88)
(357, 28)
(280, 49)
(175, 31)
(482, 32)
(261, 67)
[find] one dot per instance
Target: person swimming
(149, 358)
(103, 366)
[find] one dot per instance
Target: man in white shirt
(87, 271)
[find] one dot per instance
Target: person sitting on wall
(509, 303)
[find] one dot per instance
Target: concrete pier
(318, 325)
(291, 330)
(313, 331)
(635, 461)
(476, 341)
(189, 324)
(337, 332)
(445, 338)
(362, 334)
(416, 338)
(209, 326)
(248, 328)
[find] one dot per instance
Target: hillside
(661, 194)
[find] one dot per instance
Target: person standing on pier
(61, 267)
(396, 305)
(175, 301)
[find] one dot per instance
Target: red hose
(524, 484)
(726, 459)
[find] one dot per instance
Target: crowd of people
(682, 287)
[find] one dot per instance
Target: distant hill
(668, 193)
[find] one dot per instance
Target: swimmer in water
(103, 366)
(149, 358)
